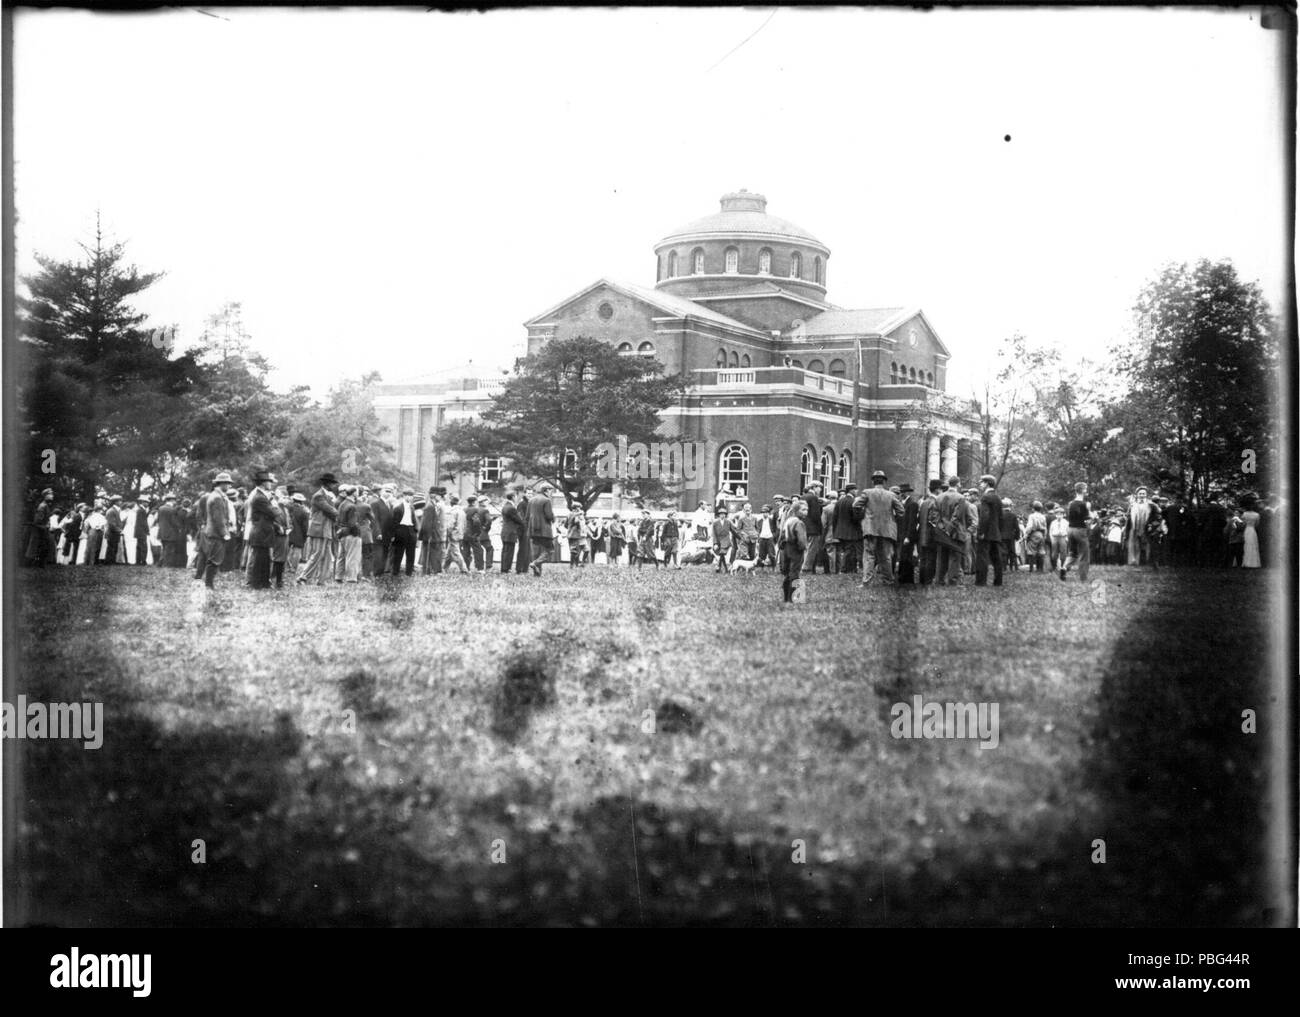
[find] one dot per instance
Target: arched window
(817, 365)
(722, 358)
(765, 261)
(845, 469)
(796, 266)
(731, 261)
(929, 378)
(624, 348)
(837, 368)
(733, 469)
(826, 469)
(817, 268)
(646, 349)
(806, 460)
(735, 359)
(697, 261)
(797, 363)
(744, 361)
(588, 374)
(570, 462)
(893, 373)
(672, 264)
(911, 374)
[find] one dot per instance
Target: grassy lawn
(615, 747)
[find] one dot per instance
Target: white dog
(744, 564)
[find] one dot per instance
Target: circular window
(606, 311)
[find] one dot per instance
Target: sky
(398, 191)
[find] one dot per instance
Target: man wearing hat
(927, 523)
(38, 542)
(265, 527)
(299, 523)
(347, 568)
(909, 534)
(988, 536)
(113, 528)
(470, 548)
(404, 528)
(320, 533)
(813, 525)
(846, 533)
(170, 534)
(511, 526)
(877, 509)
(541, 529)
(432, 525)
(366, 524)
(140, 530)
(381, 507)
(71, 525)
(217, 523)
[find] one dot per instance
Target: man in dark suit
(71, 525)
(114, 528)
(1214, 543)
(264, 531)
(541, 529)
(511, 525)
(486, 517)
(140, 531)
(926, 524)
(170, 534)
(470, 548)
(431, 529)
(524, 556)
(908, 535)
(989, 534)
(847, 532)
(813, 525)
(299, 523)
(403, 523)
(381, 506)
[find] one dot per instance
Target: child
(1036, 537)
(1059, 535)
(723, 535)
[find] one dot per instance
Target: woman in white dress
(1250, 552)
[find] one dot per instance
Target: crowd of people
(350, 533)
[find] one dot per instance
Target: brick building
(739, 305)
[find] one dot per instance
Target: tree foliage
(560, 405)
(1200, 378)
(92, 385)
(342, 437)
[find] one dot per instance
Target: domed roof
(743, 213)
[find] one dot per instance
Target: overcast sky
(400, 190)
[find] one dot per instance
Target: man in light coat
(217, 523)
(320, 533)
(541, 529)
(879, 509)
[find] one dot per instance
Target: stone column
(948, 455)
(932, 458)
(965, 458)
